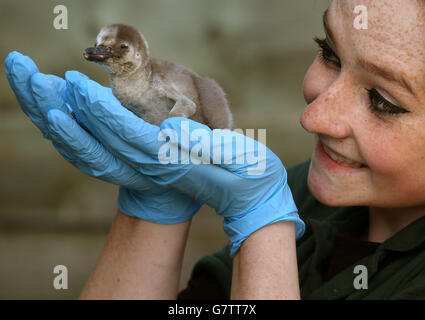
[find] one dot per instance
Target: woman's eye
(124, 46)
(380, 106)
(327, 55)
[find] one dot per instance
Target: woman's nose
(329, 112)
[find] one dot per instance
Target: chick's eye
(124, 46)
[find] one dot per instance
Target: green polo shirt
(394, 269)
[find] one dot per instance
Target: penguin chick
(155, 89)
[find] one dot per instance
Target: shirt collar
(353, 220)
(409, 238)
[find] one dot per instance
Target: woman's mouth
(335, 162)
(342, 160)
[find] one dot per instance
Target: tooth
(342, 160)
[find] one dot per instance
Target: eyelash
(327, 55)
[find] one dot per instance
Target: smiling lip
(336, 162)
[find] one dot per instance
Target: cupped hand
(46, 101)
(184, 154)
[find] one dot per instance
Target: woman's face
(366, 106)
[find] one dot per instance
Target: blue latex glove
(44, 99)
(247, 198)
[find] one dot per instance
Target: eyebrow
(367, 65)
(385, 73)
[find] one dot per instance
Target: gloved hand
(45, 101)
(248, 195)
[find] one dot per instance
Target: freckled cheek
(388, 156)
(397, 171)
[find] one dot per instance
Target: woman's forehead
(401, 21)
(394, 35)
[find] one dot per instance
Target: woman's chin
(329, 195)
(323, 197)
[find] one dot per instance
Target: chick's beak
(97, 54)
